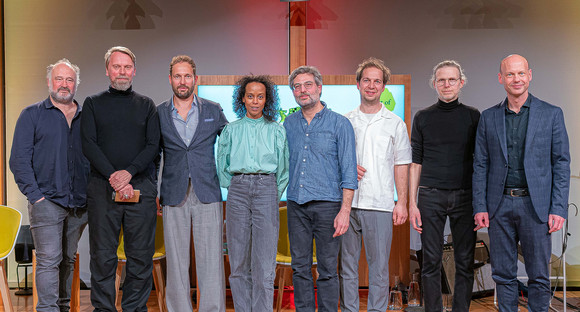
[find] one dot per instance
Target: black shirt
(46, 159)
(516, 128)
(120, 131)
(443, 140)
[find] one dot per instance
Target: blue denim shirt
(47, 158)
(322, 156)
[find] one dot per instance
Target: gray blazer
(196, 160)
(546, 160)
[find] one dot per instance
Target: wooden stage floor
(24, 303)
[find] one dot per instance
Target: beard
(121, 85)
(61, 99)
(310, 102)
(182, 94)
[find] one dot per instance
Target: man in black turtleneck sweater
(443, 140)
(120, 138)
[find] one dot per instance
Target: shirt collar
(526, 104)
(48, 104)
(383, 112)
(320, 114)
(125, 92)
(193, 104)
(251, 120)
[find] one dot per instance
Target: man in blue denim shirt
(323, 178)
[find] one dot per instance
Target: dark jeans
(435, 206)
(138, 221)
(516, 220)
(314, 219)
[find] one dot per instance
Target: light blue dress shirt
(186, 128)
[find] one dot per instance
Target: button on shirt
(186, 128)
(253, 146)
(322, 156)
(516, 126)
(381, 143)
(47, 158)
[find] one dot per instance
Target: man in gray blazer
(521, 181)
(190, 192)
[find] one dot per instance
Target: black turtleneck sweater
(120, 130)
(443, 140)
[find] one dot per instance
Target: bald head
(512, 59)
(515, 75)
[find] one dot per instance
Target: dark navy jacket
(546, 160)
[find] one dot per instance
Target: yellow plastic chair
(10, 221)
(283, 257)
(157, 271)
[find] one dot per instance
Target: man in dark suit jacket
(521, 181)
(190, 192)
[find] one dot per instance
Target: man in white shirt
(383, 156)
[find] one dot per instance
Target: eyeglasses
(307, 85)
(451, 81)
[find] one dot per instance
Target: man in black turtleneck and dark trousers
(120, 138)
(443, 140)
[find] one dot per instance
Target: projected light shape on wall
(133, 14)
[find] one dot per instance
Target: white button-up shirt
(381, 143)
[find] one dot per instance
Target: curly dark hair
(271, 108)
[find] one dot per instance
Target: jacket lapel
(200, 118)
(500, 127)
(533, 123)
(171, 123)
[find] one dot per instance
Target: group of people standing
(507, 170)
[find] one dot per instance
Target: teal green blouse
(253, 146)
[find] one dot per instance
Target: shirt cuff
(350, 186)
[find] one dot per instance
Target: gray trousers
(206, 221)
(252, 232)
(377, 229)
(56, 231)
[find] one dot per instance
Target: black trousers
(435, 206)
(138, 221)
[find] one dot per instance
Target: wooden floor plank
(24, 303)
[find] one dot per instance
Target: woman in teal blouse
(252, 163)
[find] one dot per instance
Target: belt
(264, 174)
(516, 192)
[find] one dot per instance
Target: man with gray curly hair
(443, 140)
(51, 171)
